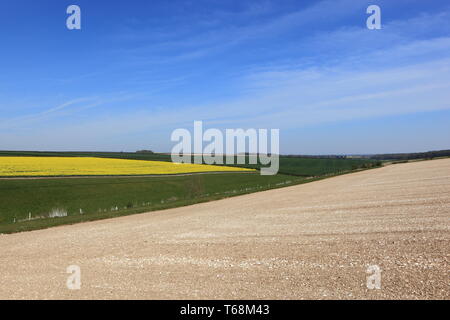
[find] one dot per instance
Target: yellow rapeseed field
(73, 166)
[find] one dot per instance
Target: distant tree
(144, 151)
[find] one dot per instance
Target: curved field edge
(19, 197)
(127, 176)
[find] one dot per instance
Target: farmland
(89, 166)
(288, 165)
(309, 241)
(318, 167)
(35, 203)
(27, 204)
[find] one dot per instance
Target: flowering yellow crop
(72, 166)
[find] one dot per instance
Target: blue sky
(139, 69)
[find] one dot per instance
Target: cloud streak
(337, 72)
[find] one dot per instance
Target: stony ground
(312, 241)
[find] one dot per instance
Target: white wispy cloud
(401, 69)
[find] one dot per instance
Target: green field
(316, 167)
(108, 197)
(27, 204)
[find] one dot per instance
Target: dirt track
(309, 241)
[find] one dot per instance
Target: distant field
(288, 165)
(314, 167)
(84, 199)
(89, 166)
(116, 155)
